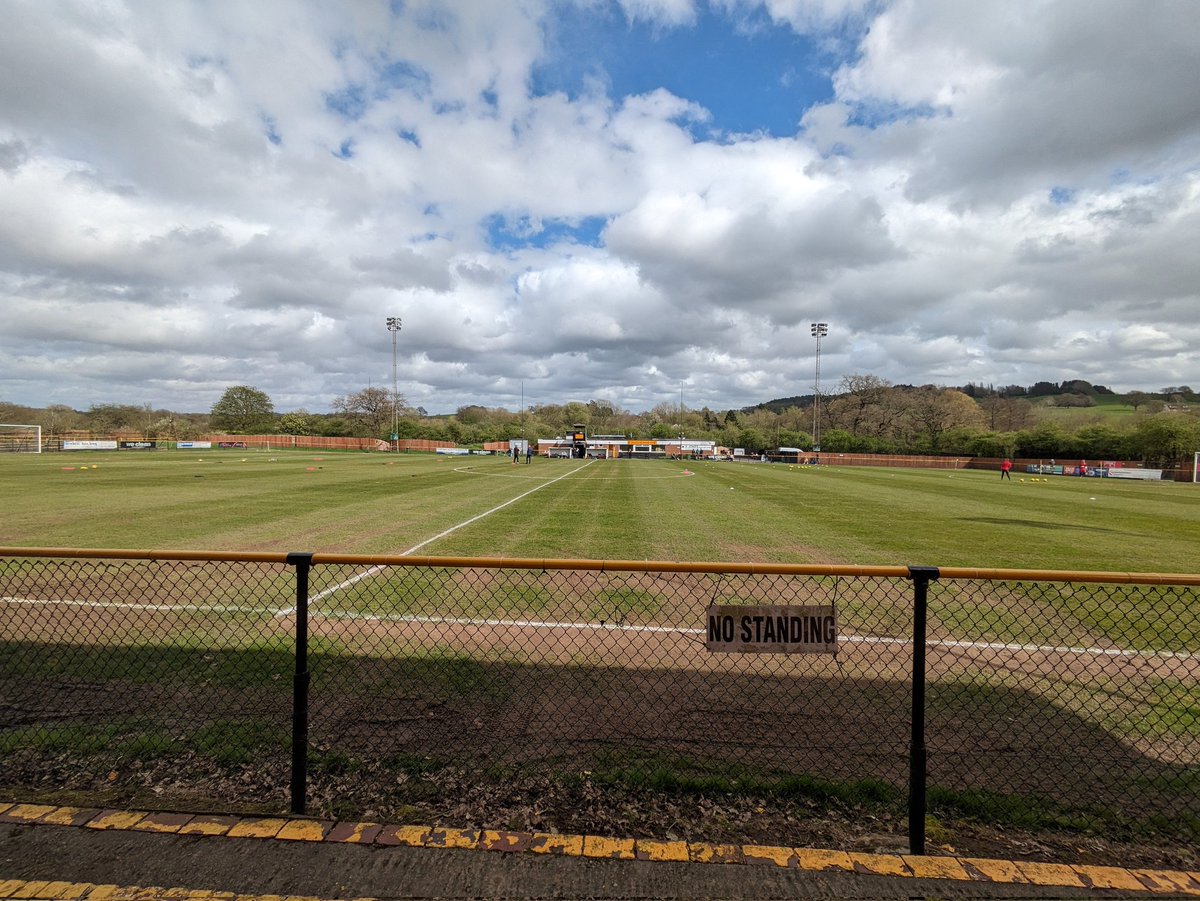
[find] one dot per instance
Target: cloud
(987, 106)
(660, 12)
(200, 195)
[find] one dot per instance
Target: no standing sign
(772, 630)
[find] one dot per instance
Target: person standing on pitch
(528, 454)
(1005, 470)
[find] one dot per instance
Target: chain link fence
(584, 697)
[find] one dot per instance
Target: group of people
(516, 454)
(1006, 469)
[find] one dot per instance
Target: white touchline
(688, 630)
(618, 627)
(374, 570)
(123, 605)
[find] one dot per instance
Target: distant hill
(1071, 393)
(781, 403)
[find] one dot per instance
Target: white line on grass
(1031, 648)
(687, 630)
(119, 605)
(619, 627)
(374, 570)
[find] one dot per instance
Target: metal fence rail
(348, 684)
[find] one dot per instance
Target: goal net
(20, 439)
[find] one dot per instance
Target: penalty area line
(375, 570)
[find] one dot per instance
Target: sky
(622, 200)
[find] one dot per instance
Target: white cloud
(201, 195)
(986, 103)
(659, 12)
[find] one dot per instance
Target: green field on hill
(626, 509)
(1109, 408)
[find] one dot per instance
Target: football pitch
(236, 500)
(1074, 699)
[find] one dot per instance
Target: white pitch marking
(620, 627)
(118, 605)
(1031, 648)
(354, 580)
(685, 630)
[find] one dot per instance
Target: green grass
(371, 503)
(225, 743)
(679, 775)
(150, 663)
(1110, 409)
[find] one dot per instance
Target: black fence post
(303, 563)
(921, 576)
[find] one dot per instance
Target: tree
(1136, 399)
(795, 438)
(1007, 414)
(754, 440)
(1101, 442)
(371, 409)
(298, 422)
(576, 412)
(334, 427)
(108, 418)
(243, 410)
(471, 414)
(600, 412)
(860, 393)
(1046, 440)
(935, 411)
(1074, 399)
(839, 441)
(58, 418)
(1165, 439)
(992, 444)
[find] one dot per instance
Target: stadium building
(579, 444)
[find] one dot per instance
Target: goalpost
(20, 439)
(1196, 467)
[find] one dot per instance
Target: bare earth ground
(492, 754)
(531, 803)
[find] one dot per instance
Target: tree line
(866, 414)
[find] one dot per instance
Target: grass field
(1109, 408)
(637, 510)
(1069, 702)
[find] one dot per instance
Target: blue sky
(750, 73)
(593, 199)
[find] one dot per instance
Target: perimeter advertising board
(89, 444)
(772, 630)
(138, 445)
(1132, 472)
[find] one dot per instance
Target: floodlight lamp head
(820, 329)
(393, 323)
